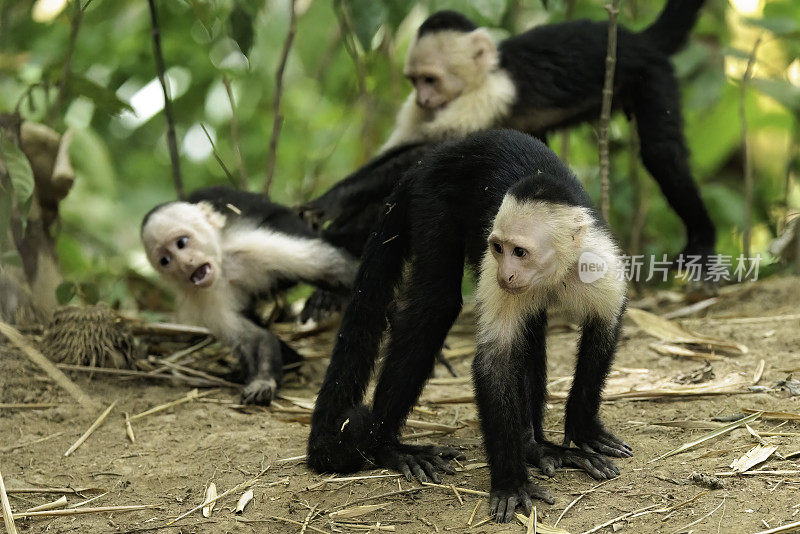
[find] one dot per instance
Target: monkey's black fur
(558, 71)
(349, 210)
(438, 217)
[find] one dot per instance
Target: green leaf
(65, 292)
(784, 92)
(18, 168)
(780, 26)
(367, 16)
(102, 97)
(89, 292)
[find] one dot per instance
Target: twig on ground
(79, 511)
(92, 428)
(693, 523)
(8, 517)
(237, 487)
(10, 448)
(47, 366)
(578, 498)
(192, 395)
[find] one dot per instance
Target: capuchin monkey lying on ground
(551, 77)
(505, 204)
(222, 249)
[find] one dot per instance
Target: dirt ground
(179, 451)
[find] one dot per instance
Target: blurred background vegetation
(342, 86)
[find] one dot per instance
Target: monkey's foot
(420, 461)
(322, 305)
(259, 391)
(597, 441)
(503, 502)
(548, 457)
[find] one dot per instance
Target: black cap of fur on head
(554, 186)
(444, 21)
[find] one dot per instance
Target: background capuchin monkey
(551, 77)
(510, 189)
(221, 250)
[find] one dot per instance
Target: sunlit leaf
(780, 26)
(103, 98)
(784, 92)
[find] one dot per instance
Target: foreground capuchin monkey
(504, 203)
(222, 249)
(551, 77)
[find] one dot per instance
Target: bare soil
(179, 451)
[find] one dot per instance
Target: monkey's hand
(420, 461)
(259, 391)
(548, 457)
(593, 438)
(503, 502)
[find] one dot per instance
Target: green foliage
(18, 168)
(339, 105)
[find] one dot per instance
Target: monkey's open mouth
(201, 275)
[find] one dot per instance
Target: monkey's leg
(656, 106)
(499, 377)
(540, 452)
(426, 311)
(342, 430)
(582, 421)
(260, 356)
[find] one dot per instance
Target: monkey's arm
(498, 374)
(539, 451)
(582, 424)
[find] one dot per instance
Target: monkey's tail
(342, 430)
(671, 29)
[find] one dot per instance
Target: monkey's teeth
(200, 274)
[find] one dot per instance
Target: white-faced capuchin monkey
(551, 77)
(504, 203)
(222, 249)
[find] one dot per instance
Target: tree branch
(237, 146)
(605, 112)
(172, 143)
(277, 118)
(66, 70)
(748, 161)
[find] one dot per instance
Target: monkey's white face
(183, 244)
(524, 254)
(442, 65)
(533, 243)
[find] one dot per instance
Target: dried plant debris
(697, 376)
(93, 336)
(669, 331)
(758, 454)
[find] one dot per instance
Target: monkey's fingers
(610, 442)
(595, 465)
(539, 492)
(417, 470)
(549, 464)
(430, 470)
(444, 465)
(505, 512)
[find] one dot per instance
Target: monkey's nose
(510, 278)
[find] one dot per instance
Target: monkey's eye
(181, 242)
(164, 261)
(430, 79)
(497, 247)
(519, 252)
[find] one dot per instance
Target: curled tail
(671, 29)
(341, 428)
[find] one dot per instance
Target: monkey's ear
(484, 51)
(214, 218)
